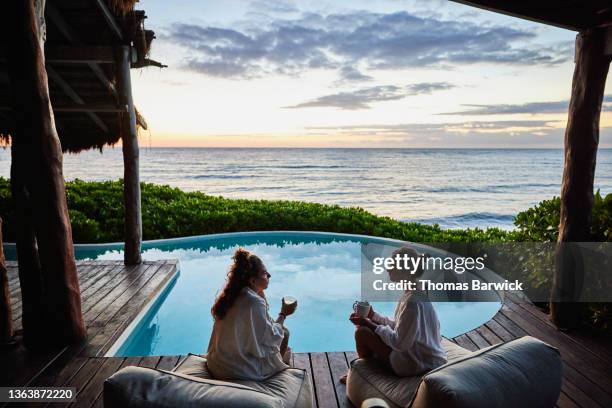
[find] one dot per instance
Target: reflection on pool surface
(321, 270)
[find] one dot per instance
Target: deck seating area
(113, 294)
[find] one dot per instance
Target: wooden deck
(113, 295)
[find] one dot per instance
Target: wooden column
(6, 315)
(131, 176)
(581, 141)
(47, 270)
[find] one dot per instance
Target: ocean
(455, 188)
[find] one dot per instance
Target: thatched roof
(82, 37)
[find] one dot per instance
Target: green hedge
(96, 214)
(540, 223)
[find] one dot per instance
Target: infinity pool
(321, 270)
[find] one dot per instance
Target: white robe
(245, 344)
(413, 335)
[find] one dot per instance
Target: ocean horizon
(455, 188)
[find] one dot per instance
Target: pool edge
(160, 292)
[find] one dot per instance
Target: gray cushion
(292, 385)
(140, 387)
(191, 385)
(525, 372)
(368, 379)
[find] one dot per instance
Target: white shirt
(413, 335)
(245, 344)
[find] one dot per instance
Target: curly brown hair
(246, 265)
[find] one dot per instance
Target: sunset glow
(383, 73)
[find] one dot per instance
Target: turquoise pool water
(321, 270)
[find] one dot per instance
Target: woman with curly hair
(246, 343)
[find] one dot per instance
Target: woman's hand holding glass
(288, 308)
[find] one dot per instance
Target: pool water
(321, 270)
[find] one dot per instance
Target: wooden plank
(565, 402)
(594, 369)
(339, 368)
(499, 330)
(168, 363)
(83, 376)
(601, 347)
(91, 274)
(19, 365)
(149, 361)
(586, 385)
(477, 339)
(105, 287)
(509, 325)
(488, 335)
(128, 361)
(59, 372)
(16, 289)
(465, 342)
(324, 387)
(134, 278)
(577, 395)
(130, 303)
(93, 389)
(302, 360)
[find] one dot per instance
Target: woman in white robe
(410, 342)
(246, 342)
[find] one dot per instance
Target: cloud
(292, 46)
(504, 127)
(533, 108)
(350, 74)
(362, 98)
(505, 133)
(273, 7)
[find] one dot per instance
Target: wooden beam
(76, 55)
(608, 45)
(131, 177)
(79, 55)
(47, 271)
(86, 108)
(73, 38)
(581, 142)
(110, 19)
(573, 15)
(67, 89)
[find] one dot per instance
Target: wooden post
(131, 177)
(581, 141)
(6, 315)
(47, 270)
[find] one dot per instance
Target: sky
(360, 73)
